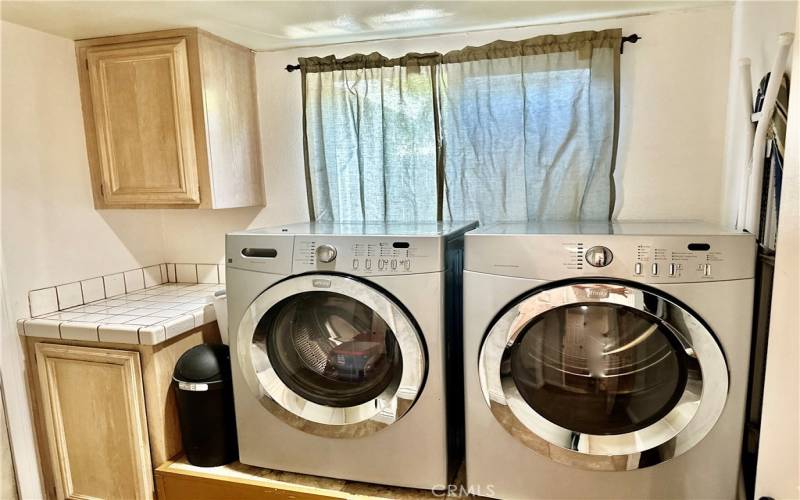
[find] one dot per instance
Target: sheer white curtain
(509, 131)
(370, 141)
(529, 128)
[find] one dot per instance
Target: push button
(637, 268)
(654, 269)
(672, 269)
(707, 270)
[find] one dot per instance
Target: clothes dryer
(606, 360)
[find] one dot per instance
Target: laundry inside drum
(330, 349)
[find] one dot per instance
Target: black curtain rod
(633, 38)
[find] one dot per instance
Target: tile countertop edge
(176, 308)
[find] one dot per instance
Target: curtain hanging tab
(585, 52)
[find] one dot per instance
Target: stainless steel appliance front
(331, 355)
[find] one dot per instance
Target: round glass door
(598, 368)
(330, 348)
(603, 376)
(331, 355)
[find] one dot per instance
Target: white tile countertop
(147, 316)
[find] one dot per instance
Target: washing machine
(606, 360)
(339, 348)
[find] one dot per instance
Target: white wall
(755, 29)
(778, 474)
(673, 94)
(50, 231)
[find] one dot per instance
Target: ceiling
(276, 25)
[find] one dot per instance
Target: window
(509, 131)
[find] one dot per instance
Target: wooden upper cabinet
(171, 120)
(143, 121)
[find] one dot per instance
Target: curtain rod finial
(632, 38)
(291, 68)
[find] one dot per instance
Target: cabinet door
(142, 109)
(94, 413)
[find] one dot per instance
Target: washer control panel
(656, 259)
(694, 260)
(367, 255)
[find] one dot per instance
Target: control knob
(326, 253)
(599, 256)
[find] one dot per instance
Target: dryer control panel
(367, 256)
(653, 259)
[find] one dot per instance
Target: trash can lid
(204, 363)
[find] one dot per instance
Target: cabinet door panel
(93, 406)
(143, 120)
(231, 112)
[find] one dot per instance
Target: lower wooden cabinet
(105, 413)
(93, 409)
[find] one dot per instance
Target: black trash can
(202, 380)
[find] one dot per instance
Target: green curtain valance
(582, 41)
(363, 61)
